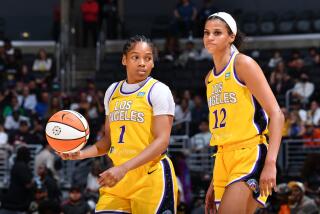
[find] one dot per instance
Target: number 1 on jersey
(123, 129)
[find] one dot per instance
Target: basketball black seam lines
(69, 125)
(81, 122)
(66, 139)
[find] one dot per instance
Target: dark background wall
(35, 16)
(139, 14)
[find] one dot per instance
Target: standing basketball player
(240, 101)
(139, 115)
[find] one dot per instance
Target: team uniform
(238, 125)
(150, 188)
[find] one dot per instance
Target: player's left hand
(268, 179)
(112, 176)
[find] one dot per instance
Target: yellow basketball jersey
(235, 115)
(130, 117)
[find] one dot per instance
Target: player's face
(138, 62)
(216, 36)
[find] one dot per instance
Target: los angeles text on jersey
(221, 97)
(122, 112)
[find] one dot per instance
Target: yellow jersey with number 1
(235, 115)
(130, 120)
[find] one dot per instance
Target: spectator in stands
(299, 202)
(8, 48)
(188, 96)
(312, 135)
(201, 140)
(303, 89)
(207, 9)
(42, 204)
(40, 195)
(37, 130)
(42, 106)
(13, 106)
(11, 70)
(198, 113)
(3, 136)
(55, 106)
(46, 157)
(189, 53)
(279, 204)
(171, 49)
(90, 13)
(185, 15)
(92, 186)
(182, 111)
(183, 173)
(27, 100)
(312, 115)
(275, 60)
(42, 64)
(20, 192)
(75, 203)
(310, 173)
(46, 179)
(23, 135)
(295, 64)
(24, 75)
(313, 57)
(286, 126)
(296, 127)
(109, 18)
(12, 122)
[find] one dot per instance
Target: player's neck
(221, 60)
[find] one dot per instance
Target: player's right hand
(210, 205)
(70, 155)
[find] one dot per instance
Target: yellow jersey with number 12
(235, 115)
(130, 121)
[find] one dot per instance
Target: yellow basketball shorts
(147, 189)
(239, 162)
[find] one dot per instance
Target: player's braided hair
(135, 39)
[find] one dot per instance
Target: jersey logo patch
(253, 185)
(227, 76)
(141, 94)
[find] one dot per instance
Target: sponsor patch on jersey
(141, 94)
(227, 75)
(253, 185)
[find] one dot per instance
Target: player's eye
(206, 33)
(134, 57)
(217, 33)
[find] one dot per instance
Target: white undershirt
(160, 96)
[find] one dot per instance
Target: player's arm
(101, 147)
(251, 74)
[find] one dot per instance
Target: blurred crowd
(30, 94)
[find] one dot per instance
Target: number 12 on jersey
(219, 118)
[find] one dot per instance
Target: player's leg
(108, 203)
(161, 195)
(238, 198)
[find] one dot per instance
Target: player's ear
(124, 60)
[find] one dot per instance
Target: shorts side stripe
(167, 199)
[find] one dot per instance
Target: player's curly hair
(135, 39)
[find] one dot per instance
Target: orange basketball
(67, 131)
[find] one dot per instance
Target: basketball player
(240, 101)
(139, 115)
